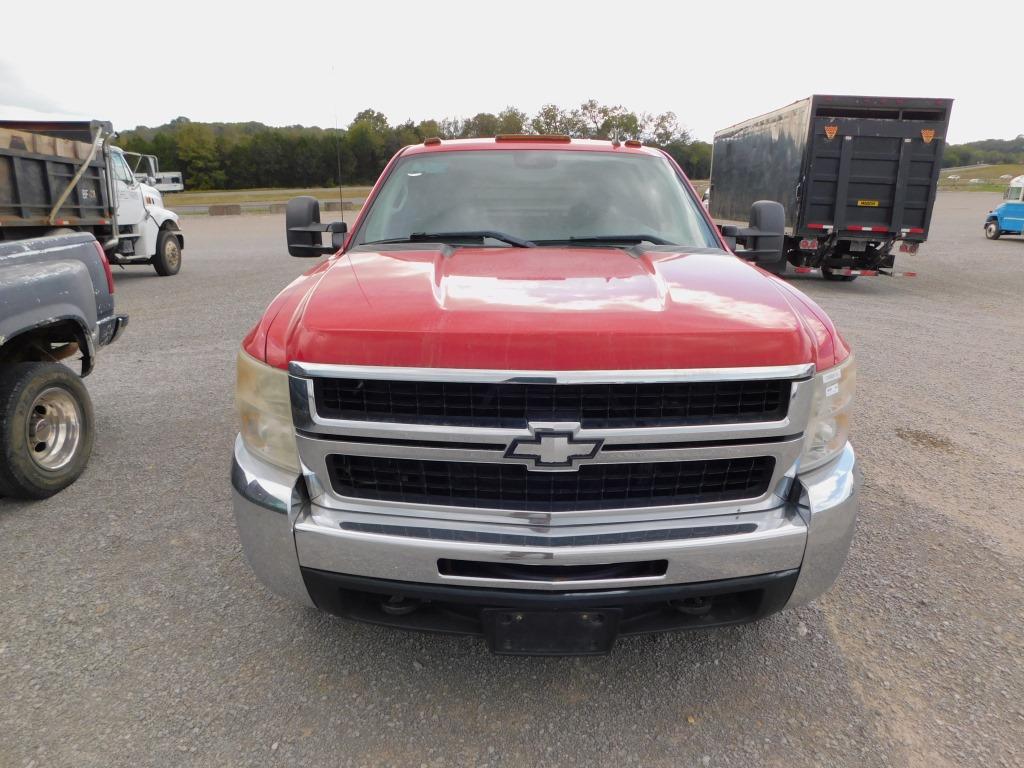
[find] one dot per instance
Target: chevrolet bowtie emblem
(553, 449)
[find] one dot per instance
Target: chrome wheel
(54, 429)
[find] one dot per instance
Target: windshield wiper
(475, 234)
(613, 239)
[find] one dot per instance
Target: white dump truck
(57, 177)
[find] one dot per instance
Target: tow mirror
(303, 228)
(729, 233)
(763, 240)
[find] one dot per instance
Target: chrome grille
(515, 487)
(484, 404)
(586, 447)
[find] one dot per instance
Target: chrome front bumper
(282, 533)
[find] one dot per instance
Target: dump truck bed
(37, 162)
(859, 165)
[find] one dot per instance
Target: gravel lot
(132, 632)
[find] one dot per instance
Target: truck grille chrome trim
(513, 487)
(521, 540)
(313, 370)
(557, 456)
(485, 404)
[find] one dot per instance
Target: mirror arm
(337, 230)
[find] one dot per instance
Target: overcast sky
(313, 63)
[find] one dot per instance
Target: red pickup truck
(533, 395)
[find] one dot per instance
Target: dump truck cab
(141, 215)
(1008, 217)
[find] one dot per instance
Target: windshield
(502, 197)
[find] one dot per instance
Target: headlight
(264, 407)
(829, 426)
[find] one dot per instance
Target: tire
(46, 429)
(828, 274)
(167, 259)
(992, 230)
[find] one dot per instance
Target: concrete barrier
(278, 207)
(225, 210)
(335, 205)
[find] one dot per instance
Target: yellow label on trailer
(867, 203)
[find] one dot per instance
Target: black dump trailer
(856, 175)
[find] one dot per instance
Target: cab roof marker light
(633, 143)
(549, 138)
(433, 141)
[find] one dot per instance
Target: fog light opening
(396, 605)
(693, 606)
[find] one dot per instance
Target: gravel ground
(132, 632)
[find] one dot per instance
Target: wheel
(828, 274)
(46, 429)
(992, 230)
(167, 259)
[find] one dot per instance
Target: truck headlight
(264, 408)
(829, 426)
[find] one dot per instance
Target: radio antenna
(337, 154)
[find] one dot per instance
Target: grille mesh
(513, 405)
(512, 486)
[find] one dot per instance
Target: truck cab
(1008, 216)
(141, 218)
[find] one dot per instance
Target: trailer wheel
(992, 230)
(167, 259)
(828, 274)
(46, 429)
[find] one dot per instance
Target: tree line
(994, 151)
(248, 155)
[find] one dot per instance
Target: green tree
(511, 121)
(367, 147)
(553, 120)
(377, 120)
(481, 125)
(197, 152)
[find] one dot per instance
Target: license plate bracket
(550, 633)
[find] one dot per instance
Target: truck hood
(543, 309)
